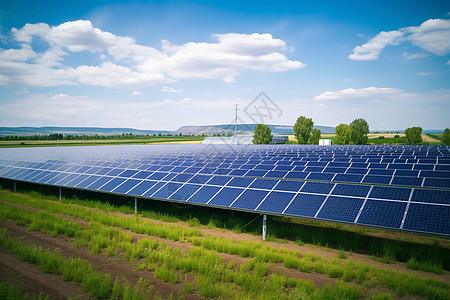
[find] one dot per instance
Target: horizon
(161, 65)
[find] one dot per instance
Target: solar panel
(351, 190)
(428, 218)
(204, 194)
(277, 179)
(431, 196)
(226, 196)
(391, 193)
(382, 213)
(317, 187)
(343, 209)
(249, 199)
(305, 205)
(276, 202)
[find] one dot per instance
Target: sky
(167, 64)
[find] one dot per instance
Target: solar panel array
(398, 187)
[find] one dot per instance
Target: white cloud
(432, 35)
(136, 93)
(409, 56)
(351, 93)
(424, 74)
(372, 49)
(134, 65)
(167, 89)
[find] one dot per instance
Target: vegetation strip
(167, 270)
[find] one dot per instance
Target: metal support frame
(59, 194)
(135, 205)
(264, 228)
(15, 187)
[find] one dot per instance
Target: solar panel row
(215, 177)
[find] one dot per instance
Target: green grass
(213, 275)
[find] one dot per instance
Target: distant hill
(76, 131)
(242, 129)
(185, 130)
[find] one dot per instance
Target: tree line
(354, 133)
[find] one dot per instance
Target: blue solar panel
(185, 192)
(182, 177)
(296, 175)
(226, 196)
(409, 181)
(436, 174)
(98, 183)
(239, 182)
(317, 187)
(356, 171)
(351, 190)
(343, 209)
(391, 193)
(126, 186)
(141, 188)
(178, 164)
(381, 172)
(111, 185)
(165, 191)
(157, 176)
(356, 178)
(250, 199)
(428, 218)
(88, 181)
(200, 179)
(292, 186)
(437, 182)
(431, 196)
(264, 184)
(382, 213)
(305, 205)
(377, 179)
(276, 202)
(320, 176)
(219, 180)
(142, 174)
(204, 194)
(276, 174)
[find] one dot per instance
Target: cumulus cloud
(351, 93)
(372, 49)
(136, 93)
(432, 35)
(167, 89)
(127, 64)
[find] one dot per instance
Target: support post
(15, 188)
(59, 194)
(264, 229)
(135, 205)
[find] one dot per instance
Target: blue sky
(165, 64)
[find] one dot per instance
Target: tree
(263, 134)
(302, 129)
(413, 135)
(359, 130)
(315, 136)
(446, 137)
(343, 134)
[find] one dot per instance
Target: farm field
(140, 141)
(79, 249)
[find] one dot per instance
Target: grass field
(140, 141)
(106, 251)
